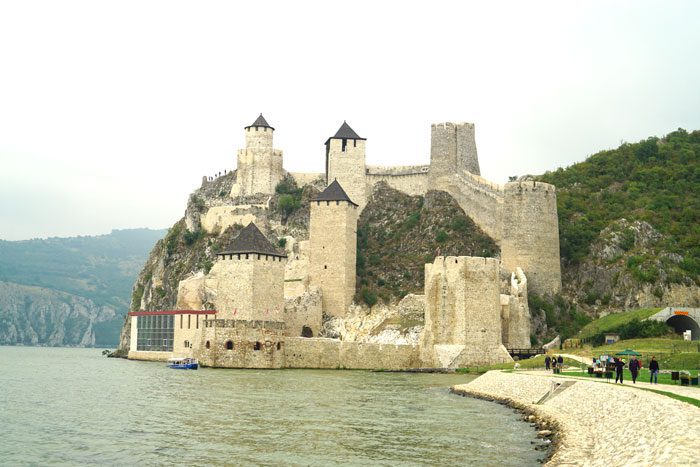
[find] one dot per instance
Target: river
(74, 406)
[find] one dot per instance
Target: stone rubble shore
(598, 424)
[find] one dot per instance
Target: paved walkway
(686, 391)
(599, 424)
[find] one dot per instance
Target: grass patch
(527, 364)
(614, 321)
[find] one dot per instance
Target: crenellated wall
(412, 179)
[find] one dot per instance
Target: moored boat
(183, 363)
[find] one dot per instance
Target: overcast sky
(111, 112)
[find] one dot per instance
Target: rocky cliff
(37, 316)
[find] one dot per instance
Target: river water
(73, 406)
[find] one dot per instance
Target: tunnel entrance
(681, 323)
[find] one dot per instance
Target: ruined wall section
(332, 266)
(304, 311)
(412, 180)
(334, 353)
(463, 313)
(515, 313)
(530, 237)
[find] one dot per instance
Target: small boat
(185, 363)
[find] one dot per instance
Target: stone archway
(682, 323)
(306, 332)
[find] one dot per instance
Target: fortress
(259, 307)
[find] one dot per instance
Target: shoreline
(594, 424)
(539, 421)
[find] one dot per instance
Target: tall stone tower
(530, 238)
(333, 239)
(345, 162)
(452, 147)
(462, 313)
(259, 168)
(249, 279)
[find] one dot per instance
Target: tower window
(207, 345)
(257, 346)
(325, 266)
(306, 332)
(345, 143)
(279, 345)
(229, 345)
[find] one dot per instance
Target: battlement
(249, 257)
(397, 171)
(529, 186)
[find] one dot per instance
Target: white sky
(111, 112)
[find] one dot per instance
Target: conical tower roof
(345, 132)
(334, 192)
(251, 240)
(260, 122)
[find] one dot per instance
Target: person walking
(653, 371)
(619, 369)
(634, 369)
(560, 362)
(547, 361)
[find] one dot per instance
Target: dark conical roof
(261, 122)
(334, 192)
(345, 132)
(251, 240)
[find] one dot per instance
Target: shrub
(441, 236)
(368, 296)
(288, 204)
(192, 237)
(282, 242)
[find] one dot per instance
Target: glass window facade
(155, 333)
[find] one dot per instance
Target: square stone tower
(333, 240)
(259, 168)
(345, 162)
(249, 279)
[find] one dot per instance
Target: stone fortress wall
(520, 216)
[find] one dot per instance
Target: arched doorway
(681, 323)
(306, 332)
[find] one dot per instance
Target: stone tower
(530, 238)
(249, 279)
(333, 239)
(462, 313)
(345, 162)
(259, 168)
(452, 147)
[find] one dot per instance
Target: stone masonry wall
(333, 237)
(245, 337)
(463, 312)
(333, 353)
(412, 180)
(530, 238)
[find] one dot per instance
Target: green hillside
(613, 321)
(656, 180)
(102, 268)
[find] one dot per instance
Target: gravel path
(600, 424)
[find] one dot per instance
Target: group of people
(634, 366)
(604, 362)
(553, 362)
